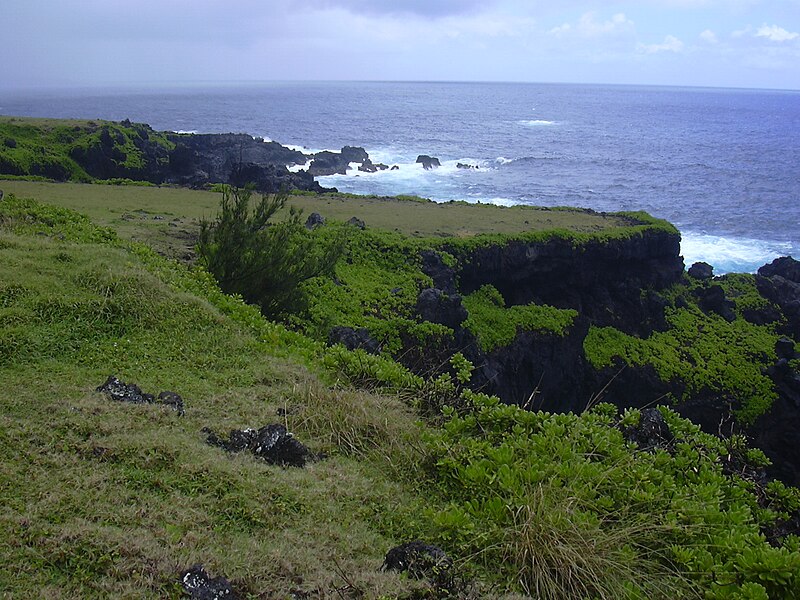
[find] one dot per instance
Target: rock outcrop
(428, 162)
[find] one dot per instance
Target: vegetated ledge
(527, 311)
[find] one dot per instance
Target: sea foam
(536, 123)
(730, 254)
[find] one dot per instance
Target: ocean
(723, 165)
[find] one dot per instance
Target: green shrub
(497, 326)
(264, 262)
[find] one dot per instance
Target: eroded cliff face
(623, 283)
(612, 282)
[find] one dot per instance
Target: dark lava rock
(785, 267)
(172, 400)
(438, 307)
(394, 168)
(314, 220)
(786, 294)
(356, 222)
(701, 270)
(201, 586)
(337, 163)
(466, 166)
(353, 339)
(418, 559)
(712, 299)
(784, 348)
(273, 443)
(120, 391)
(433, 266)
(428, 162)
(651, 432)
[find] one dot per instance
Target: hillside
(106, 498)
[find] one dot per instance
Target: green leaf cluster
(562, 506)
(703, 351)
(496, 325)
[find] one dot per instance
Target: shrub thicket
(264, 262)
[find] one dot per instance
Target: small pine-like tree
(264, 261)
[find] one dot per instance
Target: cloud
(670, 44)
(588, 26)
(709, 37)
(776, 34)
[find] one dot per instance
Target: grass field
(168, 218)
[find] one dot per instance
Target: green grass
(111, 500)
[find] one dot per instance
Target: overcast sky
(726, 43)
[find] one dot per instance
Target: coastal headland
(532, 345)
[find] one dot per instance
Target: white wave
(297, 168)
(537, 123)
(730, 254)
(185, 131)
(502, 160)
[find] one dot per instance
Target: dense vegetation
(103, 499)
(80, 150)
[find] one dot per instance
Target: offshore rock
(273, 443)
(201, 586)
(337, 163)
(428, 162)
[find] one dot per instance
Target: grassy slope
(111, 500)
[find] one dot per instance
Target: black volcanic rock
(418, 559)
(701, 270)
(315, 220)
(603, 281)
(337, 163)
(273, 443)
(438, 307)
(651, 432)
(428, 162)
(712, 299)
(354, 339)
(785, 267)
(201, 586)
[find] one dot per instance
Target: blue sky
(719, 43)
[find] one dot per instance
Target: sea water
(723, 165)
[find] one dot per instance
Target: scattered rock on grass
(273, 443)
(201, 586)
(119, 391)
(419, 559)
